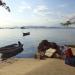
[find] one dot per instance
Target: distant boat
(10, 50)
(25, 34)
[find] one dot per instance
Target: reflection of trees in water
(3, 4)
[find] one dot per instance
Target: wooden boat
(25, 34)
(11, 50)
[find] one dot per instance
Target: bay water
(31, 42)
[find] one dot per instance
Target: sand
(31, 66)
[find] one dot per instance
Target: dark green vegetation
(3, 4)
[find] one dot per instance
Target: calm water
(60, 36)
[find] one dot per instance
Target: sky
(36, 12)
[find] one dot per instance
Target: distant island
(36, 27)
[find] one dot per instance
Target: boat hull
(10, 51)
(25, 34)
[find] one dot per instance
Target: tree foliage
(67, 23)
(3, 4)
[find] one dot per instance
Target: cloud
(42, 10)
(24, 7)
(48, 16)
(70, 17)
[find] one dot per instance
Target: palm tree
(3, 4)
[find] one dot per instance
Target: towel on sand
(50, 52)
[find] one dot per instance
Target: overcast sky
(36, 12)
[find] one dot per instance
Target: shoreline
(31, 66)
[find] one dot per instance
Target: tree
(67, 23)
(3, 4)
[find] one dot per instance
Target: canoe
(25, 34)
(11, 50)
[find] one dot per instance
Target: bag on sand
(50, 52)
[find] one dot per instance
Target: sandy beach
(31, 66)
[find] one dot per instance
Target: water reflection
(9, 36)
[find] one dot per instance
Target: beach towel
(50, 52)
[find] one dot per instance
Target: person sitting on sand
(44, 46)
(69, 57)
